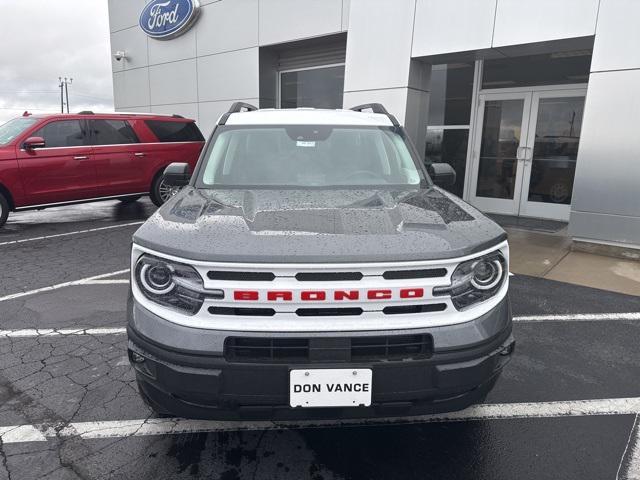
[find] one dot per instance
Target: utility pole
(64, 91)
(61, 86)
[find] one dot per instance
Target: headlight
(475, 280)
(172, 284)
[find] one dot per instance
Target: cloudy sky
(41, 40)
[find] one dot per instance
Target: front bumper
(178, 376)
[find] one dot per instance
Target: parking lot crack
(5, 463)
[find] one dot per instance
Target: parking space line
(579, 317)
(61, 285)
(62, 332)
(76, 232)
(629, 468)
(53, 332)
(21, 434)
(106, 282)
(172, 426)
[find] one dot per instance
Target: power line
(64, 90)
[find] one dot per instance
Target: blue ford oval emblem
(164, 19)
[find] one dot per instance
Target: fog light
(137, 358)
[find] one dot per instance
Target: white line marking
(20, 434)
(53, 332)
(61, 285)
(77, 232)
(629, 468)
(171, 426)
(50, 332)
(106, 282)
(579, 317)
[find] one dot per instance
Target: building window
(317, 87)
(549, 69)
(449, 118)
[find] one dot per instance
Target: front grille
(327, 312)
(392, 347)
(407, 274)
(404, 309)
(335, 350)
(328, 276)
(249, 312)
(270, 350)
(241, 276)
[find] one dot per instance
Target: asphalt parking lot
(566, 406)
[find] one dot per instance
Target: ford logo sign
(165, 19)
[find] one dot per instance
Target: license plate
(330, 387)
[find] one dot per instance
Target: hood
(293, 226)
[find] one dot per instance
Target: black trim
(240, 311)
(329, 312)
(407, 309)
(236, 107)
(376, 108)
(406, 274)
(328, 276)
(241, 276)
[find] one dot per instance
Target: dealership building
(535, 103)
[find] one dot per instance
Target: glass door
(552, 150)
(499, 151)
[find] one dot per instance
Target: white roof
(308, 116)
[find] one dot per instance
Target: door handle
(80, 157)
(521, 153)
(139, 154)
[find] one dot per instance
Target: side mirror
(442, 174)
(32, 143)
(177, 175)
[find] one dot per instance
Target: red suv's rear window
(167, 131)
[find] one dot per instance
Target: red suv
(51, 160)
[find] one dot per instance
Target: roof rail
(175, 115)
(237, 107)
(376, 108)
(85, 112)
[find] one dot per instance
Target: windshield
(308, 156)
(13, 128)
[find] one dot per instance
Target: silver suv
(310, 268)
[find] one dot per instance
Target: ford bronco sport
(310, 268)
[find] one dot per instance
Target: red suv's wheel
(161, 192)
(4, 209)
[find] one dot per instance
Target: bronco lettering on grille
(323, 296)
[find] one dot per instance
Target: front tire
(4, 209)
(160, 192)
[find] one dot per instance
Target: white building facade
(535, 103)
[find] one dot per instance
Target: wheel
(128, 200)
(161, 192)
(4, 209)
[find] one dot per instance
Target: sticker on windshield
(301, 143)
